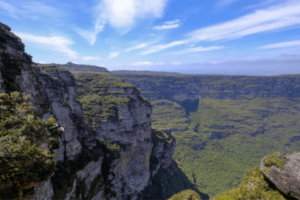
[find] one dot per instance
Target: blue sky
(257, 37)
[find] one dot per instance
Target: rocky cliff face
(191, 88)
(284, 172)
(107, 149)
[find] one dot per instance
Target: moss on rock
(254, 186)
(186, 195)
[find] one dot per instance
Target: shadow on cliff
(167, 182)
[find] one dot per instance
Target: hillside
(78, 68)
(233, 121)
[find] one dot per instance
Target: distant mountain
(144, 72)
(78, 68)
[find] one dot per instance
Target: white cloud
(140, 46)
(10, 9)
(89, 58)
(225, 2)
(274, 18)
(54, 43)
(91, 36)
(197, 49)
(113, 55)
(285, 15)
(176, 63)
(147, 63)
(168, 25)
(124, 15)
(157, 48)
(142, 63)
(282, 45)
(30, 10)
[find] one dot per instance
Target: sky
(232, 37)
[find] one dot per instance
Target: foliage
(274, 160)
(186, 195)
(25, 146)
(168, 115)
(253, 187)
(112, 146)
(101, 96)
(51, 67)
(233, 136)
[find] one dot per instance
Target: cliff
(107, 149)
(189, 88)
(229, 124)
(78, 68)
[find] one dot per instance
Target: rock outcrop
(285, 176)
(79, 68)
(107, 149)
(53, 92)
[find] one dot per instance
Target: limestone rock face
(128, 173)
(163, 150)
(108, 159)
(53, 92)
(286, 180)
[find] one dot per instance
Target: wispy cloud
(225, 2)
(9, 9)
(285, 15)
(146, 63)
(168, 25)
(196, 49)
(123, 15)
(140, 46)
(142, 63)
(30, 10)
(89, 58)
(113, 55)
(91, 36)
(282, 45)
(54, 43)
(157, 48)
(273, 18)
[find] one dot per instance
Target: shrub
(186, 195)
(23, 161)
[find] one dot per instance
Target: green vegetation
(11, 34)
(253, 186)
(227, 137)
(50, 67)
(168, 115)
(112, 146)
(26, 144)
(274, 159)
(101, 96)
(186, 195)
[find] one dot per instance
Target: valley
(223, 125)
